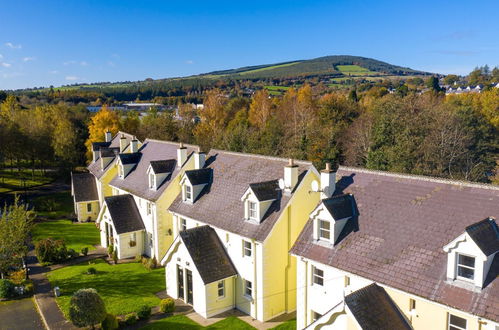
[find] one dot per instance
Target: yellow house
(235, 219)
(390, 251)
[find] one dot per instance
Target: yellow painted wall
(218, 305)
(82, 213)
(279, 267)
(106, 189)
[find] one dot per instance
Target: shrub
(84, 251)
(49, 250)
(110, 322)
(6, 288)
(110, 250)
(138, 257)
(18, 277)
(115, 256)
(167, 305)
(86, 308)
(29, 288)
(130, 319)
(72, 253)
(91, 271)
(149, 263)
(144, 312)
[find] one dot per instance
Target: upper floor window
(151, 242)
(188, 192)
(412, 304)
(456, 323)
(324, 229)
(252, 210)
(89, 207)
(317, 276)
(247, 249)
(248, 288)
(149, 208)
(465, 266)
(221, 289)
(183, 224)
(151, 180)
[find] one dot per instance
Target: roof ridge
(236, 153)
(125, 133)
(422, 178)
(170, 142)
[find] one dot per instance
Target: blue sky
(47, 42)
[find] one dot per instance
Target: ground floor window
(456, 323)
(89, 207)
(221, 289)
(248, 288)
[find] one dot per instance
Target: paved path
(19, 314)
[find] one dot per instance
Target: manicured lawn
(54, 206)
(183, 322)
(124, 287)
(288, 325)
(14, 180)
(76, 235)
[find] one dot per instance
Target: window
(89, 207)
(133, 237)
(324, 229)
(252, 210)
(151, 180)
(465, 267)
(188, 192)
(246, 249)
(150, 240)
(456, 323)
(347, 281)
(183, 224)
(248, 288)
(412, 304)
(149, 208)
(221, 289)
(120, 171)
(315, 316)
(317, 276)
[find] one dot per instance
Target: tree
(16, 222)
(86, 308)
(450, 79)
(432, 83)
(64, 140)
(101, 122)
(213, 117)
(260, 108)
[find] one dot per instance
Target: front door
(180, 281)
(189, 287)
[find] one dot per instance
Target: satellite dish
(281, 184)
(315, 186)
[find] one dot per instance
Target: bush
(110, 322)
(29, 288)
(110, 250)
(167, 305)
(138, 257)
(86, 308)
(115, 256)
(144, 312)
(91, 271)
(49, 250)
(18, 277)
(149, 263)
(130, 319)
(84, 251)
(72, 254)
(6, 288)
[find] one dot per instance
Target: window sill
(249, 298)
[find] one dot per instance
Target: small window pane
(89, 207)
(247, 248)
(465, 272)
(221, 289)
(457, 323)
(248, 288)
(466, 261)
(188, 192)
(317, 276)
(183, 224)
(252, 210)
(324, 229)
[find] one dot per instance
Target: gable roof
(373, 308)
(201, 176)
(130, 158)
(97, 145)
(340, 206)
(486, 235)
(220, 203)
(95, 167)
(404, 222)
(84, 187)
(109, 152)
(208, 254)
(265, 191)
(124, 213)
(136, 182)
(163, 166)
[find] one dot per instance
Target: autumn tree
(260, 108)
(213, 119)
(102, 121)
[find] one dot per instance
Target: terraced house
(235, 221)
(390, 251)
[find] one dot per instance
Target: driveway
(19, 314)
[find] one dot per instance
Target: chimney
(134, 145)
(290, 176)
(108, 136)
(181, 155)
(122, 143)
(199, 159)
(328, 181)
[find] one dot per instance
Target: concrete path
(19, 314)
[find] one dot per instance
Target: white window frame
(133, 237)
(248, 288)
(151, 240)
(252, 212)
(221, 289)
(121, 171)
(152, 180)
(317, 276)
(187, 192)
(465, 266)
(247, 249)
(183, 224)
(149, 208)
(321, 230)
(455, 327)
(89, 207)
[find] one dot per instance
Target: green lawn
(123, 287)
(76, 235)
(183, 322)
(54, 206)
(14, 180)
(288, 325)
(355, 70)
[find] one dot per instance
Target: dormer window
(193, 183)
(151, 181)
(258, 198)
(324, 230)
(465, 267)
(252, 212)
(158, 171)
(188, 192)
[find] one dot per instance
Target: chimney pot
(108, 136)
(199, 159)
(181, 155)
(134, 145)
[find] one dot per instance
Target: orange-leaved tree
(101, 122)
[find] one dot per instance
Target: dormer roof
(340, 207)
(163, 166)
(265, 191)
(201, 176)
(96, 146)
(131, 158)
(109, 152)
(485, 234)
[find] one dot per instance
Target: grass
(355, 70)
(14, 180)
(183, 322)
(288, 325)
(123, 287)
(54, 206)
(267, 68)
(76, 235)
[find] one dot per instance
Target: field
(14, 180)
(76, 235)
(54, 206)
(183, 322)
(267, 68)
(355, 70)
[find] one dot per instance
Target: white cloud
(12, 46)
(189, 62)
(29, 58)
(5, 65)
(72, 78)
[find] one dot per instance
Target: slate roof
(84, 187)
(95, 167)
(163, 166)
(109, 152)
(124, 213)
(201, 176)
(97, 145)
(219, 204)
(208, 254)
(130, 158)
(486, 235)
(340, 206)
(136, 182)
(373, 309)
(403, 224)
(265, 191)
